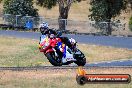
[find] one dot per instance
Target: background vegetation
(19, 7)
(130, 23)
(79, 10)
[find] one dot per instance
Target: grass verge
(24, 52)
(56, 78)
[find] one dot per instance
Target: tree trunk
(62, 23)
(63, 14)
(109, 16)
(109, 29)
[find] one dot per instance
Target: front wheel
(81, 60)
(53, 60)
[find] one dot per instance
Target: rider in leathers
(51, 34)
(45, 31)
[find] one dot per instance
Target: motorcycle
(69, 56)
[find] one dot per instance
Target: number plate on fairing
(70, 59)
(78, 52)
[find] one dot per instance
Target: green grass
(25, 52)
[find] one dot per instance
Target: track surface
(112, 63)
(122, 42)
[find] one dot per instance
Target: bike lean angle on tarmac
(58, 51)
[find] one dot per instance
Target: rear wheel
(53, 59)
(81, 60)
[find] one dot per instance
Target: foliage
(47, 3)
(50, 3)
(19, 7)
(102, 10)
(130, 24)
(64, 7)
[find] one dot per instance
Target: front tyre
(53, 60)
(81, 60)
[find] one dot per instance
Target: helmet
(72, 41)
(44, 26)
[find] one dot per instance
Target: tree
(19, 7)
(46, 3)
(130, 23)
(64, 7)
(104, 10)
(130, 1)
(63, 10)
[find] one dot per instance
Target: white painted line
(109, 62)
(115, 66)
(95, 63)
(122, 60)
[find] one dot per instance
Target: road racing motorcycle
(68, 55)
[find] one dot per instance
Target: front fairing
(42, 38)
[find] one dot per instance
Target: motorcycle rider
(43, 28)
(46, 32)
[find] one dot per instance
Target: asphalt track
(112, 63)
(118, 42)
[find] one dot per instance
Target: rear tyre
(53, 60)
